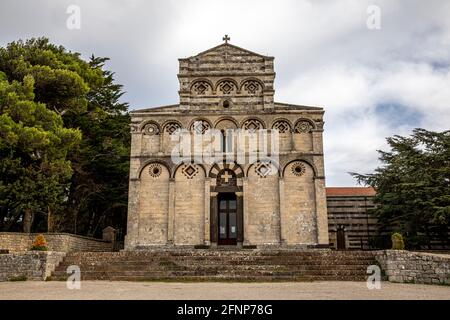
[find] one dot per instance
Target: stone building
(351, 225)
(227, 165)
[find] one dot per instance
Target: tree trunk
(49, 219)
(27, 220)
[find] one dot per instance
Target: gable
(229, 48)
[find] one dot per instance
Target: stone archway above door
(226, 177)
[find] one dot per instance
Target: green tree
(101, 164)
(33, 150)
(413, 186)
(86, 98)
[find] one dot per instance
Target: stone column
(317, 144)
(207, 236)
(321, 211)
(245, 208)
(282, 216)
(171, 217)
(293, 147)
(160, 151)
(132, 235)
(240, 217)
(213, 218)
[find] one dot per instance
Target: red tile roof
(350, 191)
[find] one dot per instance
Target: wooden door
(227, 219)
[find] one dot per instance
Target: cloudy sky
(373, 83)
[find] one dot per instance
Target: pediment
(224, 49)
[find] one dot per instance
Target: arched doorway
(226, 211)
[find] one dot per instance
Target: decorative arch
(226, 86)
(150, 127)
(304, 125)
(218, 167)
(147, 163)
(189, 169)
(200, 125)
(170, 126)
(254, 121)
(201, 86)
(282, 125)
(306, 162)
(251, 85)
(226, 118)
(259, 164)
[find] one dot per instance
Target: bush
(39, 244)
(397, 241)
(19, 278)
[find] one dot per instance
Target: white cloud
(351, 95)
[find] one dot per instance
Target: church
(227, 166)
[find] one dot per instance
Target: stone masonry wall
(62, 242)
(262, 223)
(415, 267)
(32, 265)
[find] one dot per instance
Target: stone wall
(189, 207)
(62, 242)
(299, 214)
(415, 267)
(263, 209)
(32, 265)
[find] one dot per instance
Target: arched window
(224, 141)
(227, 140)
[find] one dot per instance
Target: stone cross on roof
(226, 38)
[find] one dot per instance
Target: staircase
(219, 265)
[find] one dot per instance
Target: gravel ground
(91, 290)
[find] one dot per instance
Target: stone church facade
(227, 166)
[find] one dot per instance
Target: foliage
(63, 80)
(39, 244)
(413, 186)
(64, 140)
(19, 278)
(397, 241)
(101, 164)
(33, 148)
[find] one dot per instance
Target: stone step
(236, 267)
(209, 278)
(223, 274)
(189, 262)
(201, 265)
(208, 258)
(213, 272)
(221, 254)
(224, 253)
